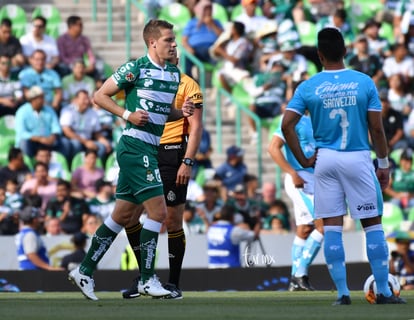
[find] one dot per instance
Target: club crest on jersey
(130, 77)
(150, 176)
(171, 196)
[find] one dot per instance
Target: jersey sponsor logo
(148, 83)
(334, 88)
(130, 77)
(173, 87)
(366, 207)
(117, 76)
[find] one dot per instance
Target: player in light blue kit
(344, 108)
(299, 186)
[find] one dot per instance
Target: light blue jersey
(338, 102)
(305, 136)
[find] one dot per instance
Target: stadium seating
(7, 137)
(220, 13)
(361, 11)
(18, 17)
(307, 33)
(53, 17)
(177, 14)
(392, 217)
(60, 158)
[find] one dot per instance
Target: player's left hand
(183, 174)
(188, 107)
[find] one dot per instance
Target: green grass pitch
(198, 305)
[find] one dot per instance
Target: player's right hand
(139, 117)
(383, 176)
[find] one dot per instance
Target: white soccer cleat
(84, 282)
(152, 287)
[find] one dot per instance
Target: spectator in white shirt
(37, 39)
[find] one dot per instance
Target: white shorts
(302, 198)
(346, 180)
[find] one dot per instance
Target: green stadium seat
(392, 217)
(220, 13)
(360, 11)
(410, 215)
(387, 31)
(312, 69)
(60, 158)
(18, 17)
(7, 126)
(177, 14)
(396, 155)
(6, 142)
(79, 159)
(110, 161)
(53, 17)
(307, 33)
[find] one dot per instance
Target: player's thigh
(362, 189)
(329, 193)
(302, 202)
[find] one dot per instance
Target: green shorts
(139, 177)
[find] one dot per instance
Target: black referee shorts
(169, 160)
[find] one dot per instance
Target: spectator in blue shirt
(200, 33)
(37, 125)
(233, 171)
(38, 75)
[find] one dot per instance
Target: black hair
(6, 22)
(100, 183)
(239, 27)
(14, 153)
(72, 20)
(62, 182)
(331, 44)
(41, 18)
(226, 213)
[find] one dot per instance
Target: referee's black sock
(176, 249)
(133, 234)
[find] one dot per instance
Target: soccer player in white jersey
(299, 186)
(344, 107)
(150, 85)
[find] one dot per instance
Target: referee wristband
(383, 163)
(126, 114)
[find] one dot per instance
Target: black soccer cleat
(303, 283)
(381, 299)
(342, 301)
(132, 292)
(293, 286)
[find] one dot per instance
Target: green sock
(149, 240)
(101, 241)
